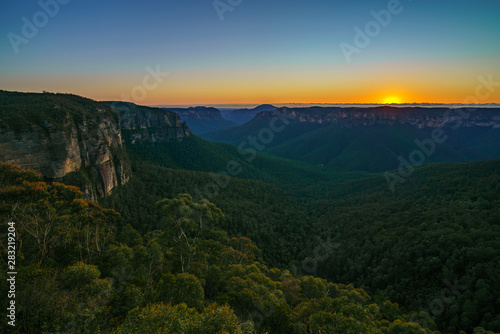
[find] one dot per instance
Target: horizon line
(320, 104)
(283, 104)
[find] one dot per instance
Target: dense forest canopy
(412, 246)
(82, 269)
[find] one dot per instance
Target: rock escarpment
(208, 113)
(77, 140)
(146, 124)
(65, 137)
(417, 117)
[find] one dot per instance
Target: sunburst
(392, 100)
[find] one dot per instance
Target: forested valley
(189, 236)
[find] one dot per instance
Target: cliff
(197, 113)
(65, 137)
(146, 124)
(412, 116)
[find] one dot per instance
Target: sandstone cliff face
(62, 134)
(145, 124)
(206, 113)
(414, 116)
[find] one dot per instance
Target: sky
(197, 52)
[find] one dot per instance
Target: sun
(391, 100)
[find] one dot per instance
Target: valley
(293, 229)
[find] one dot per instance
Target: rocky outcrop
(413, 116)
(207, 113)
(64, 137)
(202, 119)
(146, 124)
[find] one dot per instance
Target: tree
(91, 294)
(161, 318)
(55, 224)
(181, 288)
(243, 251)
(186, 223)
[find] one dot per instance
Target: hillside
(202, 120)
(438, 234)
(241, 116)
(103, 276)
(372, 139)
(194, 153)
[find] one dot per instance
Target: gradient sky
(264, 51)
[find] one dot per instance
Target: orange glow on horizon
(437, 81)
(287, 99)
(392, 100)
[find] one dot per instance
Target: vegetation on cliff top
(19, 111)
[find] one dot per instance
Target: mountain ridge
(415, 116)
(202, 119)
(241, 116)
(370, 139)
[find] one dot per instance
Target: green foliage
(432, 248)
(113, 290)
(80, 275)
(412, 247)
(193, 153)
(54, 221)
(186, 223)
(185, 256)
(161, 318)
(181, 288)
(19, 111)
(261, 212)
(41, 301)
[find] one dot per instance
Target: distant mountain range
(241, 116)
(370, 139)
(202, 119)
